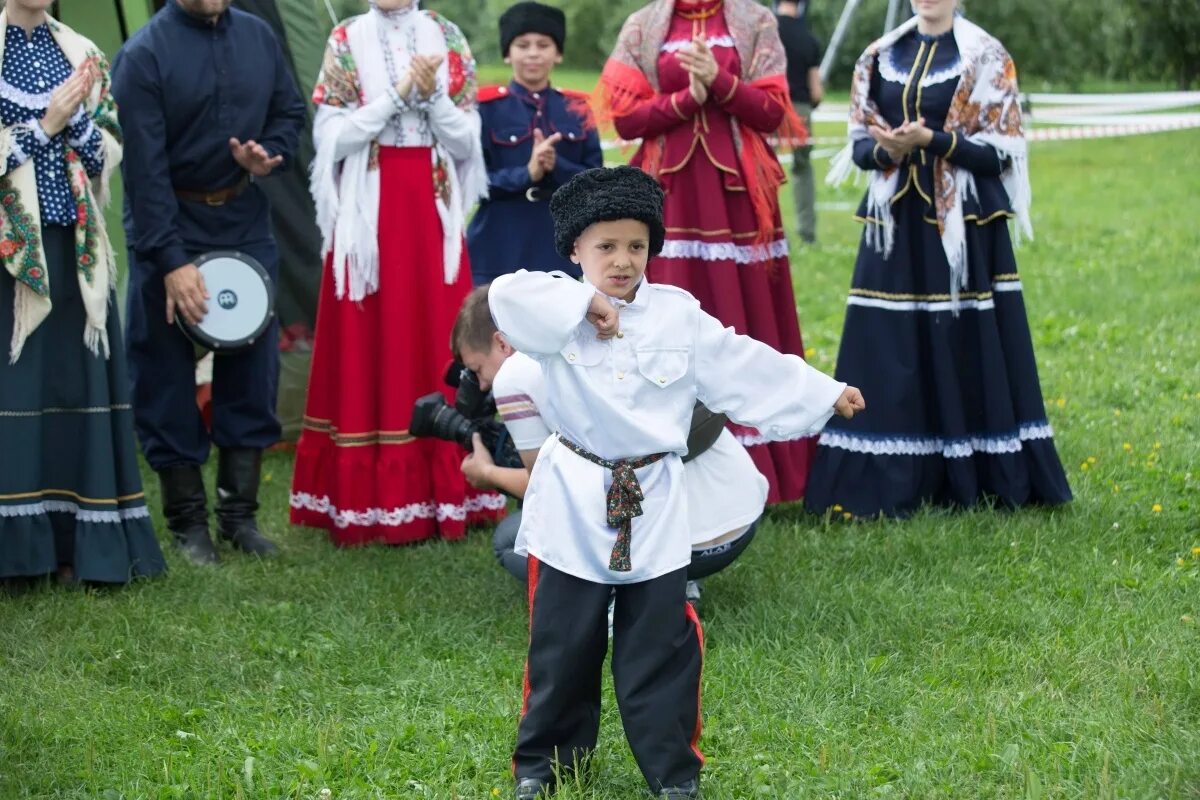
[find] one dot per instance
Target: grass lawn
(975, 655)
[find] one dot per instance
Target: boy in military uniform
(535, 139)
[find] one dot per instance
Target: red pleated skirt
(359, 473)
(710, 252)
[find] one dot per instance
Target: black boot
(684, 791)
(186, 510)
(237, 500)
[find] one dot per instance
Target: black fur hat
(530, 17)
(603, 194)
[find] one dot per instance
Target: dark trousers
(656, 663)
(162, 368)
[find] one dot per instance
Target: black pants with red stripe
(657, 655)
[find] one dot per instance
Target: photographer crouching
(725, 492)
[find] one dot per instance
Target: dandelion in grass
(847, 515)
(1196, 552)
(1128, 447)
(837, 506)
(1158, 445)
(1181, 562)
(1156, 508)
(1061, 402)
(810, 352)
(1084, 466)
(1091, 459)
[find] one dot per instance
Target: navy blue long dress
(955, 413)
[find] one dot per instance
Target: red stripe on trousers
(691, 615)
(531, 579)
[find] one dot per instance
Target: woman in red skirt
(398, 164)
(702, 83)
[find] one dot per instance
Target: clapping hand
(67, 97)
(850, 403)
(543, 157)
(603, 314)
(699, 61)
(899, 142)
(253, 157)
(424, 73)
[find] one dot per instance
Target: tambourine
(241, 302)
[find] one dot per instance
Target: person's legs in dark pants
(803, 190)
(568, 639)
(657, 659)
(162, 372)
(245, 387)
(504, 540)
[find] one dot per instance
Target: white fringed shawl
(353, 109)
(986, 109)
(21, 249)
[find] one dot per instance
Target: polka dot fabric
(33, 67)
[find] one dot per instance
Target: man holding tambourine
(207, 106)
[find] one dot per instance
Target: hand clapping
(899, 142)
(253, 157)
(543, 157)
(424, 73)
(66, 99)
(701, 66)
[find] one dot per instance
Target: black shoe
(238, 471)
(684, 791)
(186, 511)
(532, 789)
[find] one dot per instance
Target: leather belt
(536, 194)
(215, 198)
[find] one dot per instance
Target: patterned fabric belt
(624, 498)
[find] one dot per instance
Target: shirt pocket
(662, 366)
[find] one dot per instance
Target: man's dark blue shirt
(185, 87)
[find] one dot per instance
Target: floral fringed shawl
(21, 250)
(346, 187)
(630, 77)
(986, 109)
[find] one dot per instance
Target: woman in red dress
(398, 163)
(702, 84)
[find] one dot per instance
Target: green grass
(977, 655)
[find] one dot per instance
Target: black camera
(474, 411)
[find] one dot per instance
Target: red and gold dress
(724, 237)
(391, 180)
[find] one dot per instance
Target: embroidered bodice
(33, 67)
(399, 41)
(917, 77)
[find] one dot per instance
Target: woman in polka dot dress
(71, 497)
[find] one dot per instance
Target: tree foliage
(1065, 43)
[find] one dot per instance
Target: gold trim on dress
(732, 91)
(908, 83)
(921, 297)
(80, 498)
(722, 232)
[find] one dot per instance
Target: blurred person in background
(804, 85)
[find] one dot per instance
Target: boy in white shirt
(726, 493)
(624, 362)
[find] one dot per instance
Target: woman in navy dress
(936, 331)
(71, 498)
